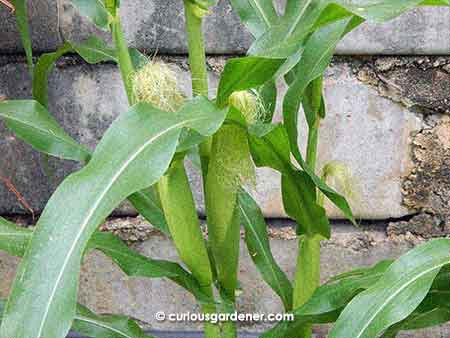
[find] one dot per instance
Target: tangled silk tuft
(156, 83)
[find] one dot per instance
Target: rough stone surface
(367, 132)
(159, 26)
(420, 83)
(423, 85)
(44, 27)
(427, 188)
(105, 289)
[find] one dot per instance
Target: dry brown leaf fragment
(8, 4)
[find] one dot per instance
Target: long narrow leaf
(396, 295)
(13, 239)
(258, 246)
(147, 204)
(380, 11)
(134, 264)
(90, 324)
(270, 148)
(95, 11)
(329, 300)
(245, 73)
(21, 13)
(134, 153)
(30, 121)
(434, 311)
(257, 15)
(107, 326)
(316, 58)
(93, 50)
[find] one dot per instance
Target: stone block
(158, 26)
(106, 289)
(366, 132)
(44, 27)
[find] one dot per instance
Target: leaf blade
(259, 249)
(397, 294)
(257, 15)
(30, 121)
(110, 177)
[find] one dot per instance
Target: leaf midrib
(395, 293)
(257, 6)
(262, 246)
(44, 131)
(103, 325)
(298, 18)
(94, 207)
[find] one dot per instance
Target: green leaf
(256, 15)
(378, 11)
(44, 66)
(245, 73)
(94, 10)
(315, 59)
(434, 310)
(31, 122)
(138, 59)
(328, 301)
(287, 38)
(93, 50)
(270, 148)
(204, 4)
(21, 13)
(35, 125)
(147, 204)
(300, 204)
(268, 93)
(133, 154)
(134, 264)
(112, 6)
(90, 324)
(380, 266)
(13, 239)
(396, 295)
(108, 326)
(258, 246)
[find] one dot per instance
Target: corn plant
(141, 158)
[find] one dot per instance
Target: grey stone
(44, 27)
(159, 26)
(105, 289)
(366, 132)
(420, 31)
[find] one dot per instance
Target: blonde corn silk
(339, 176)
(249, 103)
(156, 83)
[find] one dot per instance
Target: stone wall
(388, 100)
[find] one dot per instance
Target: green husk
(230, 165)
